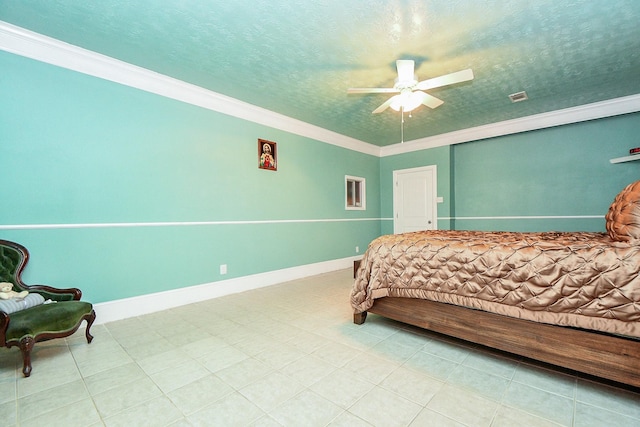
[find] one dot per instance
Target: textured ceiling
(298, 58)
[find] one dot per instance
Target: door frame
(434, 182)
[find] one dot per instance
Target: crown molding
(596, 110)
(19, 41)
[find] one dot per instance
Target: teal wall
(525, 181)
(560, 171)
(107, 186)
(123, 193)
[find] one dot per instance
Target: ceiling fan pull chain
(401, 125)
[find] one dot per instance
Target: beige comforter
(583, 280)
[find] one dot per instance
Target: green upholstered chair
(57, 318)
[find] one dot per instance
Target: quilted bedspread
(582, 279)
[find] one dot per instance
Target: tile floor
(290, 355)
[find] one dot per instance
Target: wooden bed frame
(602, 355)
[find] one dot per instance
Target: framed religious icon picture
(267, 155)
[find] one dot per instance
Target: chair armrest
(55, 294)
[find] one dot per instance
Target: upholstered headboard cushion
(623, 218)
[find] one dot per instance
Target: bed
(571, 299)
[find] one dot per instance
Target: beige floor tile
(199, 394)
(232, 333)
(491, 363)
(308, 370)
(308, 342)
(371, 367)
(337, 354)
(427, 417)
(222, 358)
(539, 402)
(610, 398)
(306, 408)
(342, 388)
(113, 378)
(103, 361)
(147, 349)
(591, 416)
(384, 408)
(428, 364)
(545, 379)
(408, 339)
(279, 355)
(271, 390)
(190, 334)
(379, 326)
(411, 385)
(463, 406)
(46, 401)
(244, 373)
(232, 410)
(179, 375)
(161, 361)
(357, 337)
(182, 422)
(45, 379)
(95, 349)
(347, 419)
(509, 417)
(173, 325)
(255, 344)
(447, 349)
(393, 351)
(8, 391)
(155, 412)
(9, 413)
(82, 413)
(116, 400)
(202, 346)
(283, 332)
(490, 386)
(275, 364)
(10, 360)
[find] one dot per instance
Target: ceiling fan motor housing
(407, 84)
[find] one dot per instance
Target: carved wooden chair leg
(90, 318)
(26, 345)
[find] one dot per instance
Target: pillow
(15, 304)
(623, 218)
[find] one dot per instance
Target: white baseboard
(144, 304)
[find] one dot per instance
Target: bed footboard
(598, 354)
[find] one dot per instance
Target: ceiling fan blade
(431, 101)
(372, 90)
(447, 79)
(384, 106)
(405, 70)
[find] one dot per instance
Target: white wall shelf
(625, 159)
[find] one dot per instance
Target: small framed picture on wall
(267, 155)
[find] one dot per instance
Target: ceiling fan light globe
(396, 102)
(407, 101)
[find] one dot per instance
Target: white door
(414, 199)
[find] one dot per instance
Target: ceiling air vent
(518, 96)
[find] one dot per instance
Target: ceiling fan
(410, 91)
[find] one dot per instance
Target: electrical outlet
(223, 268)
(357, 249)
